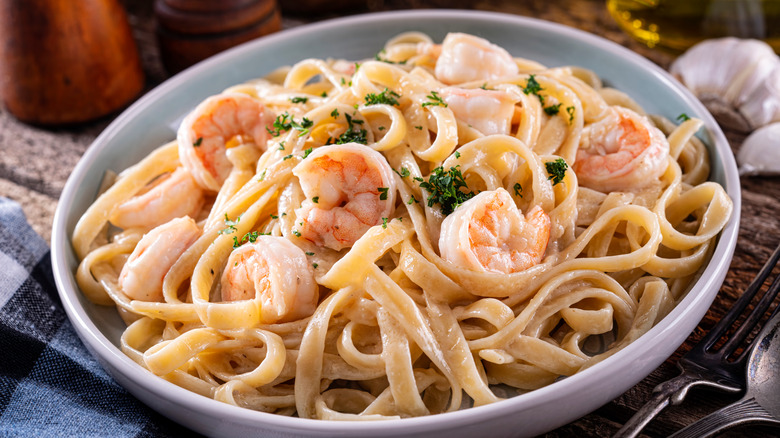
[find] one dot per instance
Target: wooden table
(35, 163)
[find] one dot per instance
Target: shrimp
(488, 233)
(349, 188)
(143, 273)
(487, 111)
(218, 122)
(466, 58)
(170, 196)
(620, 152)
(277, 272)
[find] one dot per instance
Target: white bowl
(152, 120)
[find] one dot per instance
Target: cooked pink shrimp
(349, 188)
(621, 152)
(143, 273)
(488, 111)
(221, 120)
(488, 233)
(170, 196)
(275, 270)
(466, 58)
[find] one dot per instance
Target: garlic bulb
(740, 75)
(760, 152)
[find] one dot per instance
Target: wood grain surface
(35, 163)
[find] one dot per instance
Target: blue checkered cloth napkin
(50, 385)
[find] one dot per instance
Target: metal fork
(706, 364)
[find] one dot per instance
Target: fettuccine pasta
(439, 227)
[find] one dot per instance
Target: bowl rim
(105, 350)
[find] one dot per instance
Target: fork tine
(753, 319)
(742, 302)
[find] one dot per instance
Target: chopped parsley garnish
(315, 199)
(552, 109)
(230, 225)
(314, 265)
(387, 97)
(248, 237)
(299, 99)
(281, 146)
(285, 122)
(434, 100)
(383, 193)
(445, 187)
(570, 111)
(412, 200)
(556, 169)
(296, 233)
(287, 157)
(384, 222)
(353, 134)
(418, 127)
(380, 58)
(403, 173)
(262, 175)
(683, 117)
(309, 253)
(273, 216)
(307, 152)
(518, 189)
(381, 128)
(198, 142)
(324, 94)
(484, 86)
(334, 113)
(457, 154)
(533, 87)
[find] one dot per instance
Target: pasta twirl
(432, 229)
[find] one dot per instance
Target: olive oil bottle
(679, 24)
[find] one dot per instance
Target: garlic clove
(733, 73)
(760, 152)
(762, 105)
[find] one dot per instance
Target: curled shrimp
(143, 273)
(620, 152)
(488, 111)
(488, 233)
(466, 58)
(349, 188)
(277, 272)
(170, 196)
(221, 121)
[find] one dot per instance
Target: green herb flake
(309, 253)
(556, 169)
(447, 188)
(353, 134)
(285, 122)
(457, 154)
(273, 216)
(296, 233)
(324, 94)
(281, 146)
(412, 200)
(198, 142)
(315, 199)
(230, 225)
(384, 222)
(248, 237)
(299, 99)
(552, 109)
(262, 176)
(386, 97)
(314, 265)
(381, 128)
(518, 189)
(683, 117)
(383, 193)
(403, 173)
(287, 157)
(418, 127)
(570, 111)
(434, 100)
(484, 86)
(334, 113)
(307, 152)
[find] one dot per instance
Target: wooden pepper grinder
(189, 31)
(65, 61)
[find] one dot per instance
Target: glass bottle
(679, 24)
